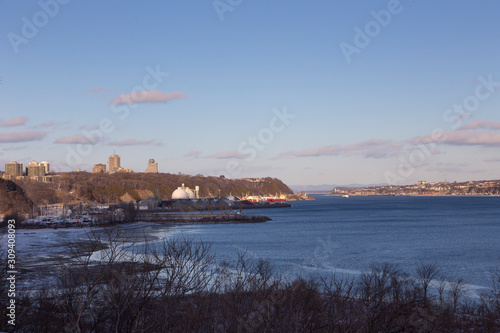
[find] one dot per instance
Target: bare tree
(111, 284)
(441, 288)
(82, 277)
(426, 273)
(457, 290)
(491, 301)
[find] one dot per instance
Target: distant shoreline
(419, 195)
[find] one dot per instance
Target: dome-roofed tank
(190, 193)
(180, 193)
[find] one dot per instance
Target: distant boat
(345, 196)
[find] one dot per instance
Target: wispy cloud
(96, 90)
(492, 160)
(16, 148)
(227, 155)
(151, 96)
(133, 142)
(54, 125)
(484, 124)
(22, 136)
(88, 128)
(375, 148)
(193, 153)
(78, 139)
(446, 169)
(460, 138)
(47, 124)
(19, 121)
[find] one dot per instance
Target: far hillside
(109, 188)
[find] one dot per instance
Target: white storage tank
(180, 193)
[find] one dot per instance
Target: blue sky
(323, 92)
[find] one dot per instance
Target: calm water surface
(346, 235)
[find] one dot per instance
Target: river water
(460, 235)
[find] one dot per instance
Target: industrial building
(185, 193)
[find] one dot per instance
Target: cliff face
(108, 188)
(13, 199)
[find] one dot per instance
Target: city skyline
(310, 93)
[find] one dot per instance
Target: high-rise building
(46, 166)
(99, 168)
(13, 169)
(152, 166)
(113, 163)
(35, 169)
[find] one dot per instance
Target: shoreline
(411, 195)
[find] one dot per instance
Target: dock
(195, 218)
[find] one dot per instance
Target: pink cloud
(464, 115)
(53, 125)
(319, 151)
(484, 124)
(372, 148)
(19, 121)
(151, 96)
(193, 153)
(492, 160)
(85, 127)
(458, 138)
(22, 136)
(47, 124)
(133, 142)
(78, 139)
(227, 155)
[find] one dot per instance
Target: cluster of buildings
(486, 187)
(114, 165)
(41, 171)
(35, 171)
(183, 193)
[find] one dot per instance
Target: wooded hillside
(13, 199)
(108, 188)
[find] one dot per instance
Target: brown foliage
(72, 187)
(177, 286)
(13, 198)
(107, 188)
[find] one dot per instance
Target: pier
(194, 218)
